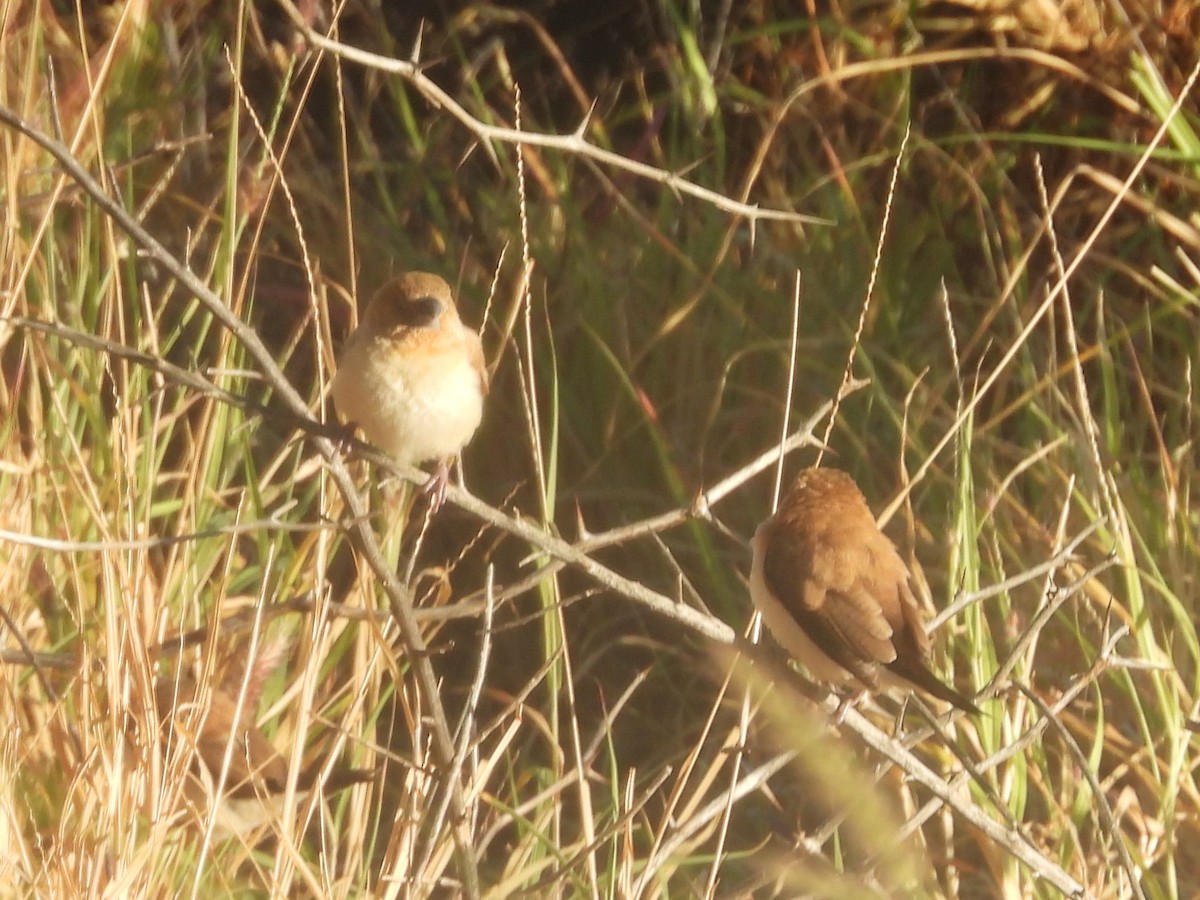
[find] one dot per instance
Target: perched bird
(834, 592)
(412, 376)
(205, 722)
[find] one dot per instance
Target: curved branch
(574, 143)
(399, 598)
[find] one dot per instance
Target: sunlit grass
(649, 362)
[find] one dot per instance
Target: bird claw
(845, 704)
(435, 487)
(343, 437)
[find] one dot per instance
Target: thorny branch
(562, 553)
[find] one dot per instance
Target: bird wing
(829, 602)
(912, 656)
(254, 759)
(206, 728)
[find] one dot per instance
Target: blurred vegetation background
(654, 343)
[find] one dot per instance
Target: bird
(204, 722)
(412, 376)
(834, 592)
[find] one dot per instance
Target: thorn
(415, 56)
(587, 120)
(580, 525)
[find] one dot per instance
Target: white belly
(412, 409)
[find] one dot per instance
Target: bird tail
(928, 682)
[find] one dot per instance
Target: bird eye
(420, 311)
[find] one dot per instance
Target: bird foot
(846, 704)
(343, 437)
(435, 487)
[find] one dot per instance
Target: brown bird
(206, 723)
(834, 592)
(412, 376)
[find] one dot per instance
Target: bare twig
(575, 144)
(1103, 807)
(744, 786)
(1010, 838)
(963, 601)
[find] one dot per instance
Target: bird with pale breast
(834, 592)
(206, 722)
(412, 376)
